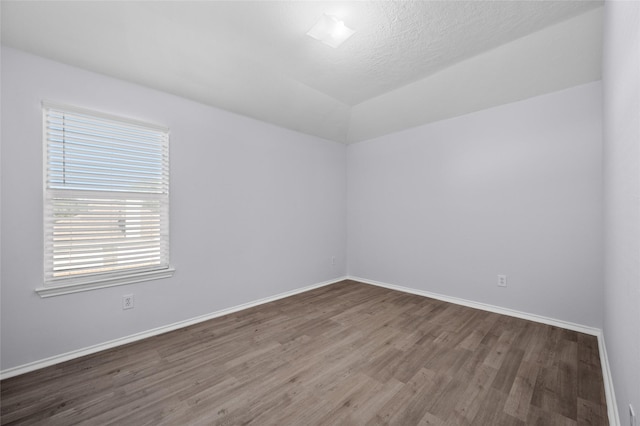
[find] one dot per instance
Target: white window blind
(106, 196)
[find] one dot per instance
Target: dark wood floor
(348, 353)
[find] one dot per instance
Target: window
(106, 201)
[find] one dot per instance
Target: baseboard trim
(612, 408)
(485, 307)
(47, 362)
(609, 391)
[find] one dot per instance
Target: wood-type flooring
(344, 354)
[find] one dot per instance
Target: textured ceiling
(254, 58)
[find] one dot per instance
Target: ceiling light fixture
(330, 30)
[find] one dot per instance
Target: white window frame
(89, 280)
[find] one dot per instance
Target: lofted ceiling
(405, 65)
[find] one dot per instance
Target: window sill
(104, 282)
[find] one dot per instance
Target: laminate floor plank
(344, 354)
(471, 401)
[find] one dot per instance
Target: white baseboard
(485, 307)
(610, 394)
(36, 365)
(612, 407)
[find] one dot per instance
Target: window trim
(110, 279)
(104, 282)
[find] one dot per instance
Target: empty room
(320, 213)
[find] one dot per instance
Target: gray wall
(621, 82)
(256, 210)
(514, 190)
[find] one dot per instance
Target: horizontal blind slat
(60, 128)
(61, 261)
(77, 152)
(92, 251)
(95, 246)
(59, 167)
(105, 267)
(67, 153)
(104, 182)
(70, 144)
(95, 140)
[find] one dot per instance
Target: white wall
(514, 190)
(621, 82)
(256, 210)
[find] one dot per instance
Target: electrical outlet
(633, 420)
(502, 280)
(127, 301)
